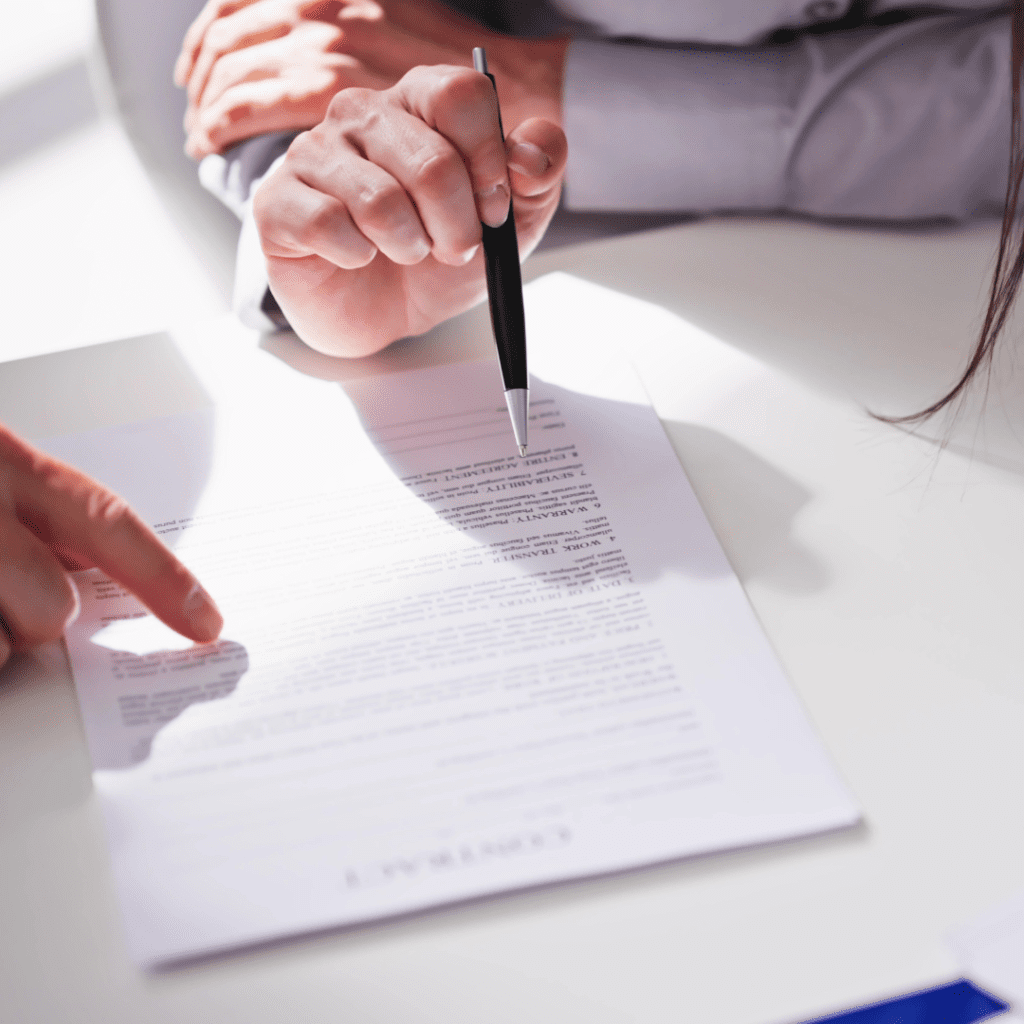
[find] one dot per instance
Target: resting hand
(54, 519)
(371, 225)
(255, 66)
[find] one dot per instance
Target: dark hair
(1009, 268)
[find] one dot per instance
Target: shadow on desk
(755, 505)
(881, 316)
(752, 504)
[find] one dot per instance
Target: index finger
(461, 105)
(85, 523)
(193, 40)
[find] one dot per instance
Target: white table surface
(889, 579)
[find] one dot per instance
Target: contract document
(446, 671)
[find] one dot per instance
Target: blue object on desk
(959, 1003)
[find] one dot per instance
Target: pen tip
(522, 451)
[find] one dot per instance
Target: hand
(371, 225)
(254, 66)
(54, 519)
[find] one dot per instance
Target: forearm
(906, 121)
(529, 75)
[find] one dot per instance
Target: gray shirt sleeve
(902, 121)
(233, 178)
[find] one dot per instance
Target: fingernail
(527, 158)
(494, 205)
(468, 254)
(203, 617)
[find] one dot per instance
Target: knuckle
(322, 35)
(339, 104)
(323, 222)
(437, 170)
(462, 85)
(305, 233)
(217, 81)
(263, 208)
(377, 204)
(229, 70)
(218, 36)
(416, 75)
(345, 104)
(301, 150)
(292, 228)
(52, 475)
(105, 509)
(227, 112)
(271, 208)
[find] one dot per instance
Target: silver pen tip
(518, 401)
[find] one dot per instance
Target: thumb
(537, 152)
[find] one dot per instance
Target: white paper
(445, 671)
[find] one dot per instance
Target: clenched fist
(371, 225)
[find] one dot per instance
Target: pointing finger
(83, 523)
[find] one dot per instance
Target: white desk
(891, 584)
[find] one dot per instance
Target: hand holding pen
(372, 223)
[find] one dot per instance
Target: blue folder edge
(958, 1003)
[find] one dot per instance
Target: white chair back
(140, 41)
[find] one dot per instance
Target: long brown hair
(1009, 268)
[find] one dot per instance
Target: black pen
(505, 297)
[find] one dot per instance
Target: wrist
(529, 74)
